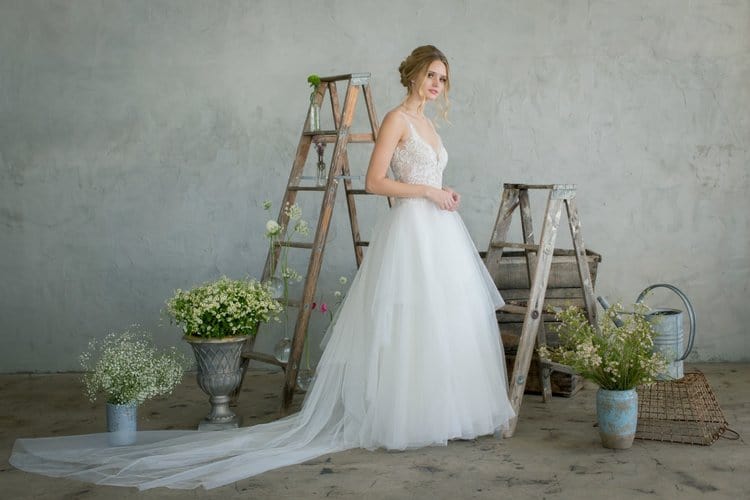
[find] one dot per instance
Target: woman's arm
(392, 130)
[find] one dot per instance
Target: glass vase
(276, 285)
(283, 349)
(305, 377)
(314, 118)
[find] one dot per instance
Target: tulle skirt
(413, 358)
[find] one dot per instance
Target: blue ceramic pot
(617, 414)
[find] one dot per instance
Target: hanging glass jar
(321, 176)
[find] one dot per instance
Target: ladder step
(294, 244)
(263, 357)
(331, 136)
(307, 188)
(513, 309)
(508, 244)
(356, 77)
(358, 191)
(322, 135)
(292, 302)
(539, 186)
(557, 367)
(362, 243)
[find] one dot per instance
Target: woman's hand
(456, 197)
(444, 199)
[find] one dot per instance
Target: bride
(413, 358)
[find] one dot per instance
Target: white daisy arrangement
(224, 308)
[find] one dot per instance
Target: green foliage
(314, 81)
(616, 358)
(128, 368)
(224, 308)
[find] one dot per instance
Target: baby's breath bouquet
(223, 308)
(129, 369)
(615, 357)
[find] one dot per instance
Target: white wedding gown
(413, 359)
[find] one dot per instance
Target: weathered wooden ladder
(538, 261)
(341, 136)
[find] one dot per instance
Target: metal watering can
(667, 324)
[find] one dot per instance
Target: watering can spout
(605, 305)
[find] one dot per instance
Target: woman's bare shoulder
(395, 121)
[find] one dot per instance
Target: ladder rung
(265, 358)
(292, 302)
(539, 186)
(322, 135)
(307, 188)
(507, 244)
(512, 309)
(358, 191)
(294, 244)
(348, 76)
(557, 367)
(330, 136)
(362, 243)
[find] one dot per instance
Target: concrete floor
(554, 454)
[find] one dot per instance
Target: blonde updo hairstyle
(413, 71)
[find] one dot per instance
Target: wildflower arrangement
(615, 357)
(224, 308)
(129, 369)
(275, 232)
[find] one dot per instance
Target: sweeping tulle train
(413, 358)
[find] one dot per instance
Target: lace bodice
(415, 161)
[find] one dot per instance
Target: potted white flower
(128, 369)
(218, 318)
(618, 356)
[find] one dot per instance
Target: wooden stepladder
(340, 136)
(538, 261)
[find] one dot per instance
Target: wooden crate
(512, 274)
(563, 290)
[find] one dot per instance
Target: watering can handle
(688, 305)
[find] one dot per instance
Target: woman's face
(435, 80)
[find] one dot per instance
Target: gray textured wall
(139, 138)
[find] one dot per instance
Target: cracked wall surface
(139, 139)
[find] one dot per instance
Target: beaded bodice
(415, 161)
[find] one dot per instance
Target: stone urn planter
(219, 374)
(219, 320)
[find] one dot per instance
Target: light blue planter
(617, 414)
(121, 424)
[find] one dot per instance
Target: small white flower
(343, 280)
(301, 227)
(294, 212)
(272, 228)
